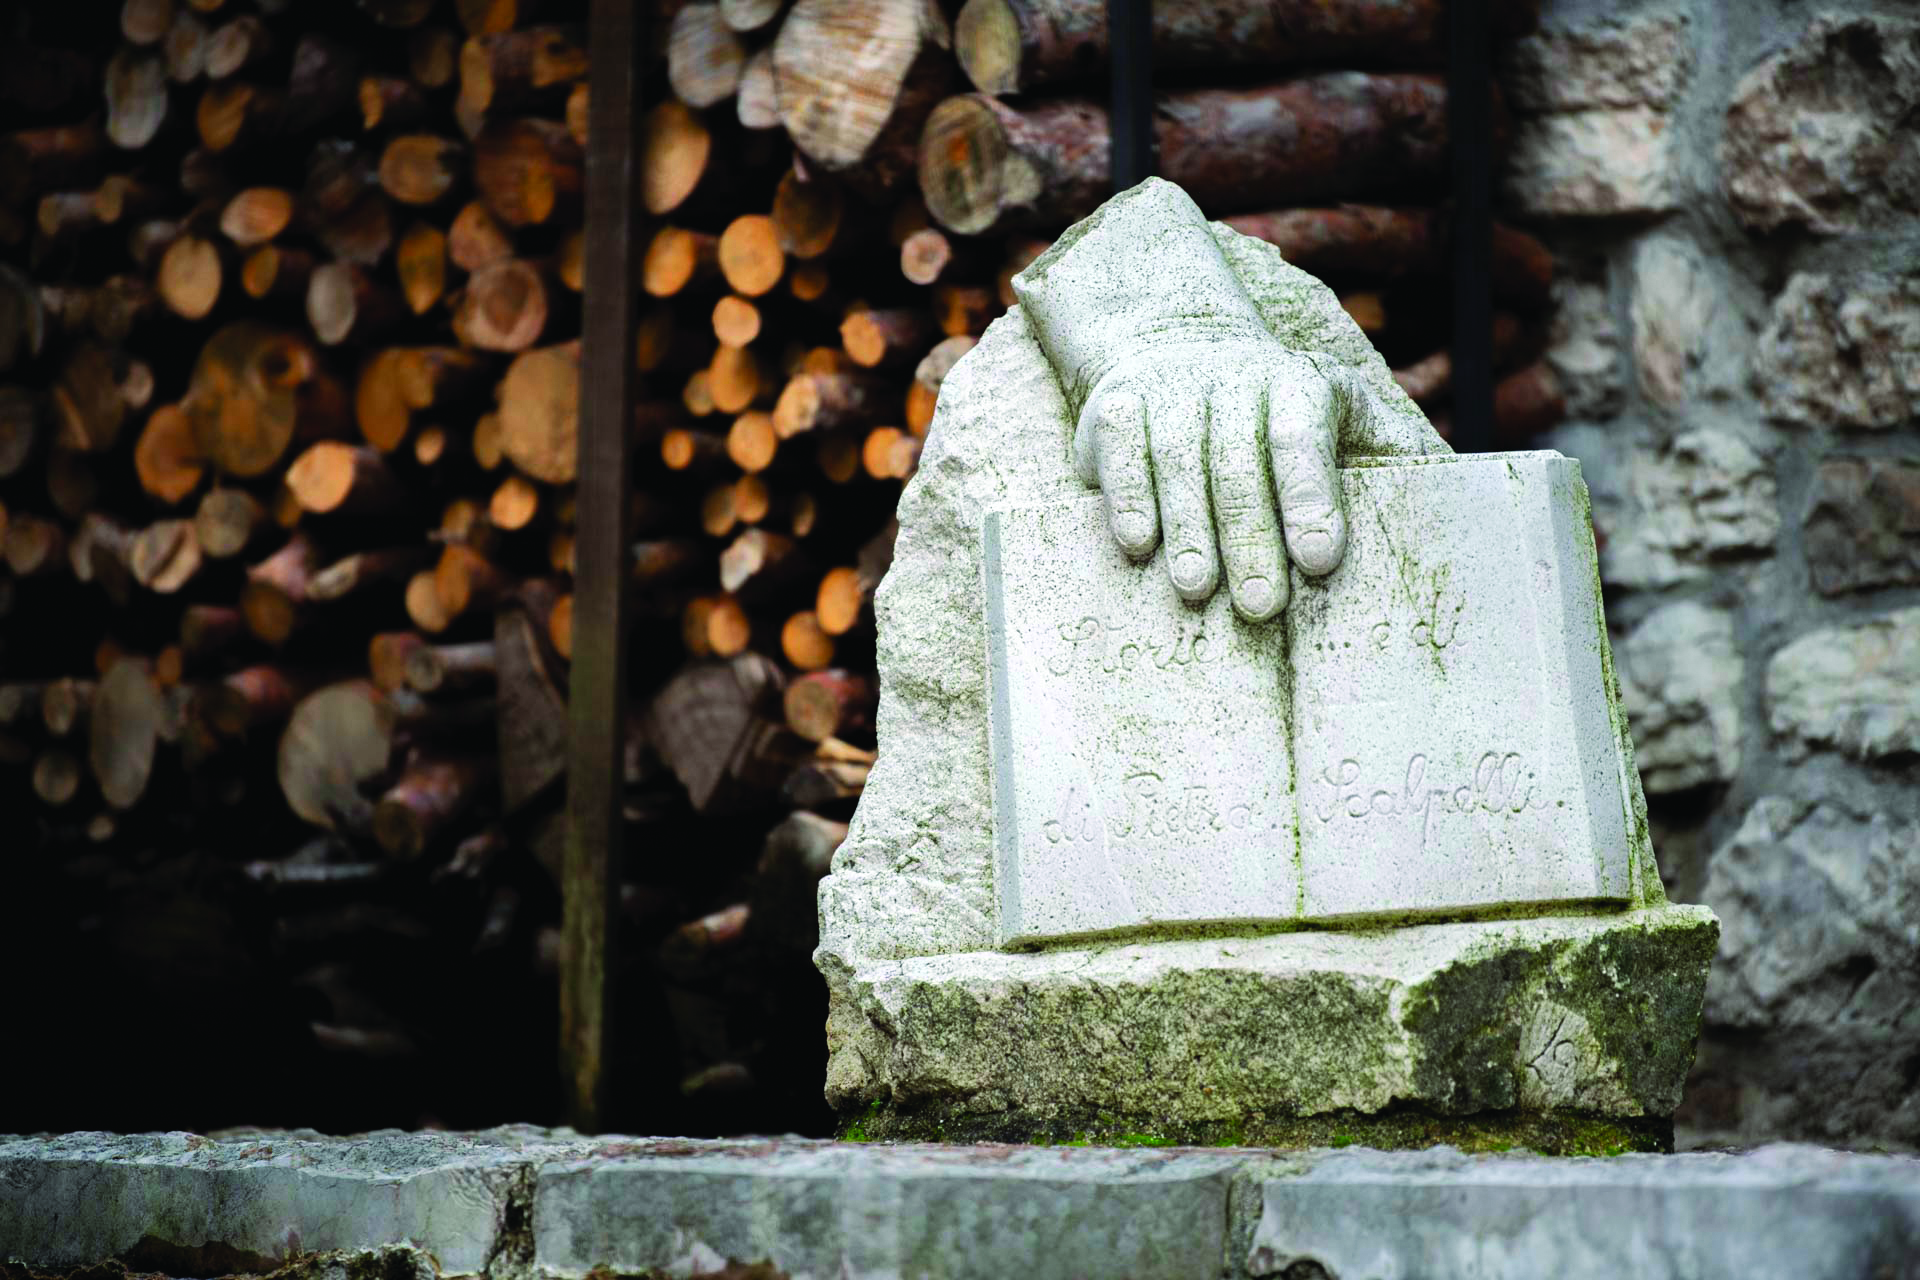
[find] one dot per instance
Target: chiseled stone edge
(1782, 1210)
(782, 1209)
(1587, 1014)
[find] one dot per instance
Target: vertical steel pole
(1130, 43)
(1470, 131)
(597, 700)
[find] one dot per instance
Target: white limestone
(1142, 804)
(1425, 730)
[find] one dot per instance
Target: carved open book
(1429, 731)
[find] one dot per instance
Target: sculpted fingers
(1301, 430)
(1243, 509)
(1116, 432)
(1176, 441)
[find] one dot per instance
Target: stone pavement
(522, 1202)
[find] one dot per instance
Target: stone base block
(1565, 1033)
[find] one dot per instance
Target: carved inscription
(1120, 646)
(1155, 810)
(1502, 783)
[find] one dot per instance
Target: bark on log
(447, 668)
(334, 478)
(423, 806)
(1017, 46)
(1381, 245)
(365, 569)
(533, 711)
(985, 166)
(251, 700)
(275, 596)
(814, 402)
(875, 339)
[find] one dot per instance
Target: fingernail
(1190, 570)
(1255, 597)
(1132, 528)
(1314, 548)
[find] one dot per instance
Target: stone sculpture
(1210, 845)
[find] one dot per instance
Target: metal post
(1470, 131)
(597, 700)
(1130, 42)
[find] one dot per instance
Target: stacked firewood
(289, 366)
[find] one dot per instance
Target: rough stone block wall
(1734, 191)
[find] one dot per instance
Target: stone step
(524, 1202)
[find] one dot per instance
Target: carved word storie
(1118, 647)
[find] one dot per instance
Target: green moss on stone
(1556, 1133)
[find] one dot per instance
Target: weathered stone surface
(264, 1200)
(792, 1209)
(914, 876)
(1540, 1017)
(1596, 1013)
(1584, 348)
(1852, 689)
(1842, 351)
(1822, 134)
(1680, 676)
(1602, 163)
(1779, 1211)
(1706, 498)
(1440, 697)
(1862, 526)
(1675, 298)
(1817, 961)
(826, 1210)
(1637, 62)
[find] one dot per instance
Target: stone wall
(1734, 191)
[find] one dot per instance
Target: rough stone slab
(1779, 1211)
(1853, 689)
(85, 1197)
(796, 1208)
(1441, 699)
(1594, 1013)
(825, 1210)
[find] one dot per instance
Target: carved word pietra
(1425, 732)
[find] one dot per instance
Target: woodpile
(290, 304)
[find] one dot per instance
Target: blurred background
(289, 320)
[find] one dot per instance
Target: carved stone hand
(1204, 432)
